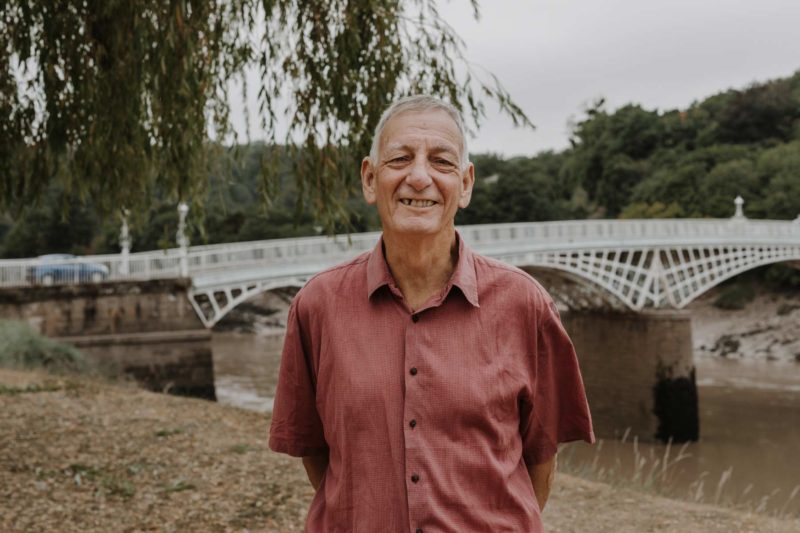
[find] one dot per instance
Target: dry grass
(82, 455)
(655, 474)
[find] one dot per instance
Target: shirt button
(414, 478)
(413, 371)
(413, 423)
(415, 318)
(419, 530)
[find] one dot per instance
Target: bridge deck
(656, 263)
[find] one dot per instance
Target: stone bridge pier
(145, 329)
(638, 370)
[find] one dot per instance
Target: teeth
(417, 203)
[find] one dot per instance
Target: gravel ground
(83, 455)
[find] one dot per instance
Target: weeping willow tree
(121, 102)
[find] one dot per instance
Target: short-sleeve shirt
(431, 417)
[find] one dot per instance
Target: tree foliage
(116, 101)
(637, 163)
(693, 162)
(628, 163)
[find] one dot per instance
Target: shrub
(735, 297)
(783, 277)
(22, 347)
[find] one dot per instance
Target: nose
(419, 176)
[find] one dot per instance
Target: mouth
(417, 203)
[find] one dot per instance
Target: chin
(415, 227)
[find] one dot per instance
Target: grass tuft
(179, 486)
(656, 473)
(24, 348)
(117, 486)
(12, 391)
(168, 432)
(241, 448)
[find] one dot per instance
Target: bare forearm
(542, 480)
(315, 467)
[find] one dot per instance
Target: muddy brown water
(747, 455)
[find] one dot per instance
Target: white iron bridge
(633, 264)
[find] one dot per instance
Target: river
(749, 425)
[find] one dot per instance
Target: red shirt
(429, 418)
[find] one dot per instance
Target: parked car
(65, 268)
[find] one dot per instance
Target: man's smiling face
(417, 182)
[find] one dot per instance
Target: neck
(421, 267)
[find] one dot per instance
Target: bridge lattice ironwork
(635, 263)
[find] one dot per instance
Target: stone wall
(102, 308)
(148, 330)
(638, 370)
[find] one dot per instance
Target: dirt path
(80, 455)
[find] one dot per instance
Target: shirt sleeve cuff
(289, 447)
(543, 454)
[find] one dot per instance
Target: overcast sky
(557, 56)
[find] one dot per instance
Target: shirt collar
(463, 276)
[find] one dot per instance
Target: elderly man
(425, 387)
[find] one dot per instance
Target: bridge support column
(639, 372)
(146, 329)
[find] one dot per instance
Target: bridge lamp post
(183, 240)
(125, 243)
(739, 202)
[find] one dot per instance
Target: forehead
(416, 129)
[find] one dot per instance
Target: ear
(467, 182)
(368, 177)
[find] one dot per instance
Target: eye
(443, 162)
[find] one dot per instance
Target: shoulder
(511, 286)
(344, 278)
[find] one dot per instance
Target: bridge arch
(616, 278)
(656, 277)
(574, 291)
(212, 304)
(684, 293)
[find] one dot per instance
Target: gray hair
(417, 103)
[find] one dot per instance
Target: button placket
(414, 397)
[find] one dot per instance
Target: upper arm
(296, 427)
(555, 409)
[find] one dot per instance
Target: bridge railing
(556, 235)
(283, 251)
(95, 268)
(619, 231)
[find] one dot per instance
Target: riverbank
(85, 455)
(766, 328)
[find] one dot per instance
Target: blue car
(65, 268)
